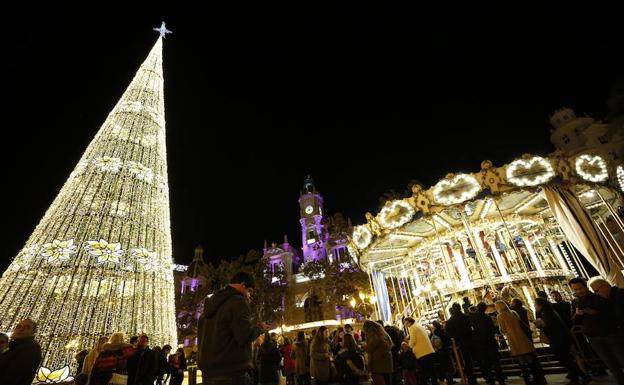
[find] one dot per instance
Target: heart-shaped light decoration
(592, 168)
(529, 172)
(362, 237)
(456, 190)
(396, 214)
(620, 176)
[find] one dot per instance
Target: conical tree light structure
(100, 259)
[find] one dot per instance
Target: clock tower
(313, 232)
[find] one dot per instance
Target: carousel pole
(446, 262)
(610, 208)
(400, 290)
(609, 242)
(513, 245)
(485, 269)
(396, 300)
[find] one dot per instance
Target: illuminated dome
(500, 232)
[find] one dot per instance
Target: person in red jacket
(289, 362)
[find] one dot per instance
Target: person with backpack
(349, 363)
(112, 361)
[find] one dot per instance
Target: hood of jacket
(212, 304)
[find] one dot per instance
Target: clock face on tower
(309, 209)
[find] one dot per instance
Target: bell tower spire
(313, 231)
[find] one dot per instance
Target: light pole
(365, 305)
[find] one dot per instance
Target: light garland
(591, 168)
(100, 260)
(396, 214)
(620, 176)
(530, 172)
(362, 236)
(460, 188)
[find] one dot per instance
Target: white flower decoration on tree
(47, 376)
(362, 236)
(104, 251)
(591, 168)
(619, 172)
(396, 214)
(530, 172)
(107, 164)
(457, 189)
(146, 258)
(141, 172)
(58, 251)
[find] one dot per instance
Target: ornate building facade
(322, 239)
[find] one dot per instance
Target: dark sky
(363, 97)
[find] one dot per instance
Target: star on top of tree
(162, 30)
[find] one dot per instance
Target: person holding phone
(599, 326)
(225, 334)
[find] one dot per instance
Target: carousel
(499, 233)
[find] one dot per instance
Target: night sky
(364, 98)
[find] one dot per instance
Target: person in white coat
(425, 354)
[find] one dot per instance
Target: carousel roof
(484, 198)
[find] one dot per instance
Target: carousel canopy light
(442, 222)
(530, 172)
(396, 214)
(531, 201)
(456, 190)
(620, 176)
(591, 168)
(362, 236)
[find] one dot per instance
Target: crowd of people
(232, 350)
(473, 336)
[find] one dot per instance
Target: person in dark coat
(459, 328)
(599, 326)
(301, 355)
(560, 340)
(142, 365)
(408, 365)
(177, 366)
(18, 365)
(162, 367)
(269, 358)
(563, 308)
(225, 333)
(523, 313)
(442, 352)
(615, 296)
(485, 339)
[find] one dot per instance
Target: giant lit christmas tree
(100, 259)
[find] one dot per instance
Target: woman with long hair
(379, 352)
(177, 365)
(92, 355)
(349, 363)
(521, 347)
(112, 359)
(269, 358)
(320, 364)
(302, 359)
